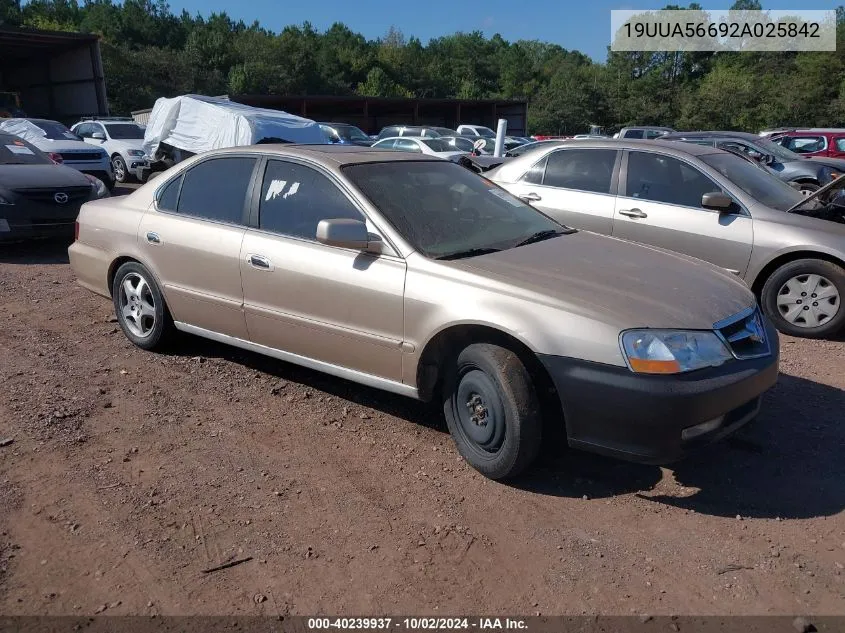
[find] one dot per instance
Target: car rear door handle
(530, 197)
(153, 238)
(260, 262)
(633, 213)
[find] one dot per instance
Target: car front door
(574, 186)
(191, 240)
(660, 204)
(335, 305)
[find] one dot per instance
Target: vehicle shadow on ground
(786, 464)
(35, 252)
(424, 414)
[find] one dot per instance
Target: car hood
(624, 284)
(124, 144)
(61, 145)
(40, 177)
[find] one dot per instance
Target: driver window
(294, 199)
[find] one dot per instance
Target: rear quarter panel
(108, 229)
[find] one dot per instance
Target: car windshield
(758, 184)
(125, 131)
(347, 132)
(438, 145)
(459, 143)
(15, 151)
(55, 131)
(443, 209)
(485, 131)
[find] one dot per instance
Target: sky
(582, 25)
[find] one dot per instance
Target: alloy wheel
(137, 305)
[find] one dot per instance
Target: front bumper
(30, 220)
(613, 411)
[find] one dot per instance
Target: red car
(814, 141)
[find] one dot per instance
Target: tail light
(76, 231)
(56, 158)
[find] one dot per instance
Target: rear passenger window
(634, 134)
(840, 145)
(581, 169)
(169, 196)
(294, 199)
(216, 189)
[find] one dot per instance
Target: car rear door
(837, 146)
(660, 204)
(333, 305)
(192, 239)
(574, 186)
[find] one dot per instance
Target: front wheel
(808, 188)
(804, 298)
(492, 410)
(121, 173)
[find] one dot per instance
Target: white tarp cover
(197, 123)
(21, 127)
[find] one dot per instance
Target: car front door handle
(153, 238)
(260, 262)
(633, 213)
(530, 197)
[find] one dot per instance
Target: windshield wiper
(539, 236)
(471, 252)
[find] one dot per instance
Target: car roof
(338, 155)
(630, 143)
(748, 136)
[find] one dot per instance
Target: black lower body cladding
(613, 411)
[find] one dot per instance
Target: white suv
(122, 139)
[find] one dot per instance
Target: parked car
(647, 132)
(346, 134)
(476, 130)
(62, 145)
(411, 274)
(392, 131)
(813, 142)
(703, 202)
(39, 198)
(122, 139)
(431, 146)
(807, 174)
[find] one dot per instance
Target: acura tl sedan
(704, 202)
(411, 274)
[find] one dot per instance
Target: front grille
(745, 334)
(47, 196)
(70, 157)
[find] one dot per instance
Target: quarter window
(665, 179)
(535, 174)
(216, 189)
(294, 199)
(168, 197)
(581, 169)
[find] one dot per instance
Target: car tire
(139, 306)
(804, 298)
(492, 410)
(121, 173)
(808, 188)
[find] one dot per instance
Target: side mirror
(717, 201)
(344, 233)
(98, 136)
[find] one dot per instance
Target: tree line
(149, 52)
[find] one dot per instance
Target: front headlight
(672, 351)
(98, 186)
(137, 153)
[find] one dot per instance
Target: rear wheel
(808, 188)
(492, 410)
(804, 298)
(139, 307)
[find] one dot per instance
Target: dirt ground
(130, 473)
